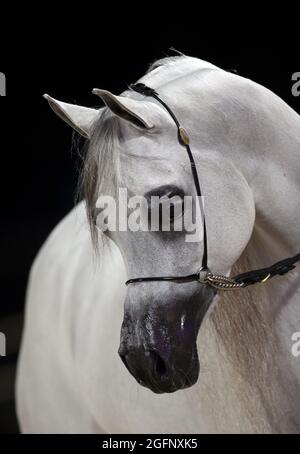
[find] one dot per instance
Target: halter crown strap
(205, 276)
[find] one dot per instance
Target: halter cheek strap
(205, 276)
(184, 140)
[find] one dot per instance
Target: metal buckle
(203, 273)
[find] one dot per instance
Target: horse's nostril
(146, 366)
(159, 364)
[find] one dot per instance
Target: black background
(39, 170)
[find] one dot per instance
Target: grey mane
(99, 170)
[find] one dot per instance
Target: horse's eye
(165, 210)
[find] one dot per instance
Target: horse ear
(79, 118)
(137, 112)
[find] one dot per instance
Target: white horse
(246, 143)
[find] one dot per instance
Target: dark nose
(152, 371)
(150, 358)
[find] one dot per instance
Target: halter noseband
(205, 276)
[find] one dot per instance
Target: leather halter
(205, 276)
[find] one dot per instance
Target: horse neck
(272, 170)
(255, 325)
